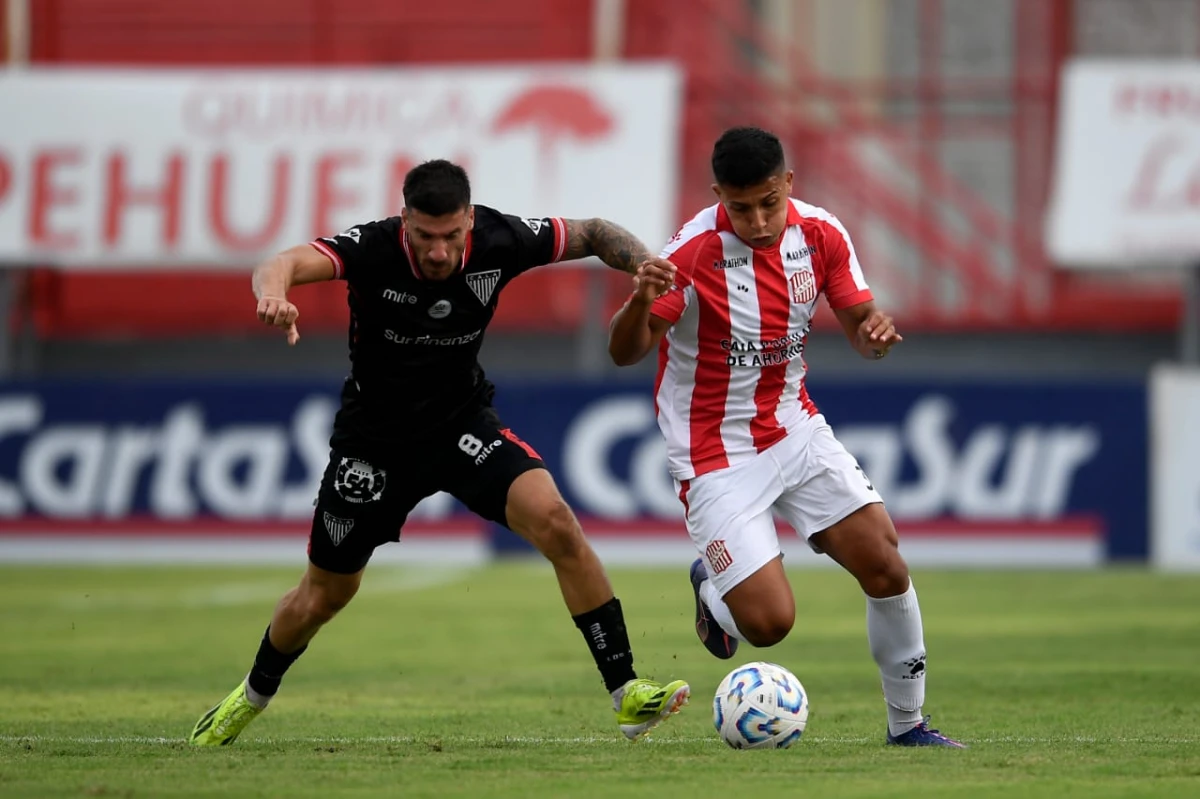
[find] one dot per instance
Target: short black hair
(437, 188)
(746, 157)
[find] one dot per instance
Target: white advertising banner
(1175, 469)
(103, 168)
(1126, 186)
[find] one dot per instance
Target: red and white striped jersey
(731, 368)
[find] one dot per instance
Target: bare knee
(884, 576)
(557, 534)
(866, 545)
(767, 628)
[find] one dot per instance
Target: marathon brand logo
(732, 263)
(796, 255)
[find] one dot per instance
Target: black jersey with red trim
(414, 342)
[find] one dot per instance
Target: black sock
(270, 665)
(604, 631)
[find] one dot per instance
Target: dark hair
(437, 188)
(746, 157)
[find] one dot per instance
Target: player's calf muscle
(556, 534)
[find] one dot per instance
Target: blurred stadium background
(1021, 179)
(151, 153)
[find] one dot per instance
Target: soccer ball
(760, 706)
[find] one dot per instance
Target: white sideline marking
(540, 741)
(381, 581)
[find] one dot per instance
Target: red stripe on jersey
(671, 305)
(664, 348)
(466, 252)
(806, 402)
(560, 237)
(684, 485)
(774, 309)
(339, 269)
(412, 262)
(712, 373)
(511, 436)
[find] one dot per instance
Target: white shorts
(808, 478)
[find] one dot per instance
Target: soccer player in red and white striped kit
(744, 440)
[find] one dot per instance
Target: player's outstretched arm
(608, 241)
(872, 333)
(634, 330)
(272, 279)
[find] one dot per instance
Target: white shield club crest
(803, 286)
(484, 283)
(337, 527)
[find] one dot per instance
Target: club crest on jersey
(440, 309)
(482, 284)
(804, 286)
(358, 481)
(718, 556)
(337, 527)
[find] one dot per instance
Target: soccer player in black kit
(416, 418)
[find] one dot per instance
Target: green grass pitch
(440, 682)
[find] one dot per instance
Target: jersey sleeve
(538, 241)
(844, 281)
(671, 305)
(685, 254)
(350, 250)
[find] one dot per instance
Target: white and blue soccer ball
(760, 706)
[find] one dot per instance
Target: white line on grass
(568, 741)
(228, 594)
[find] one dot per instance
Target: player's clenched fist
(278, 312)
(653, 279)
(878, 334)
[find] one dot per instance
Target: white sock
(720, 611)
(617, 696)
(255, 698)
(898, 646)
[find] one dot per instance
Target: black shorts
(364, 503)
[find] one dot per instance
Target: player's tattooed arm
(611, 243)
